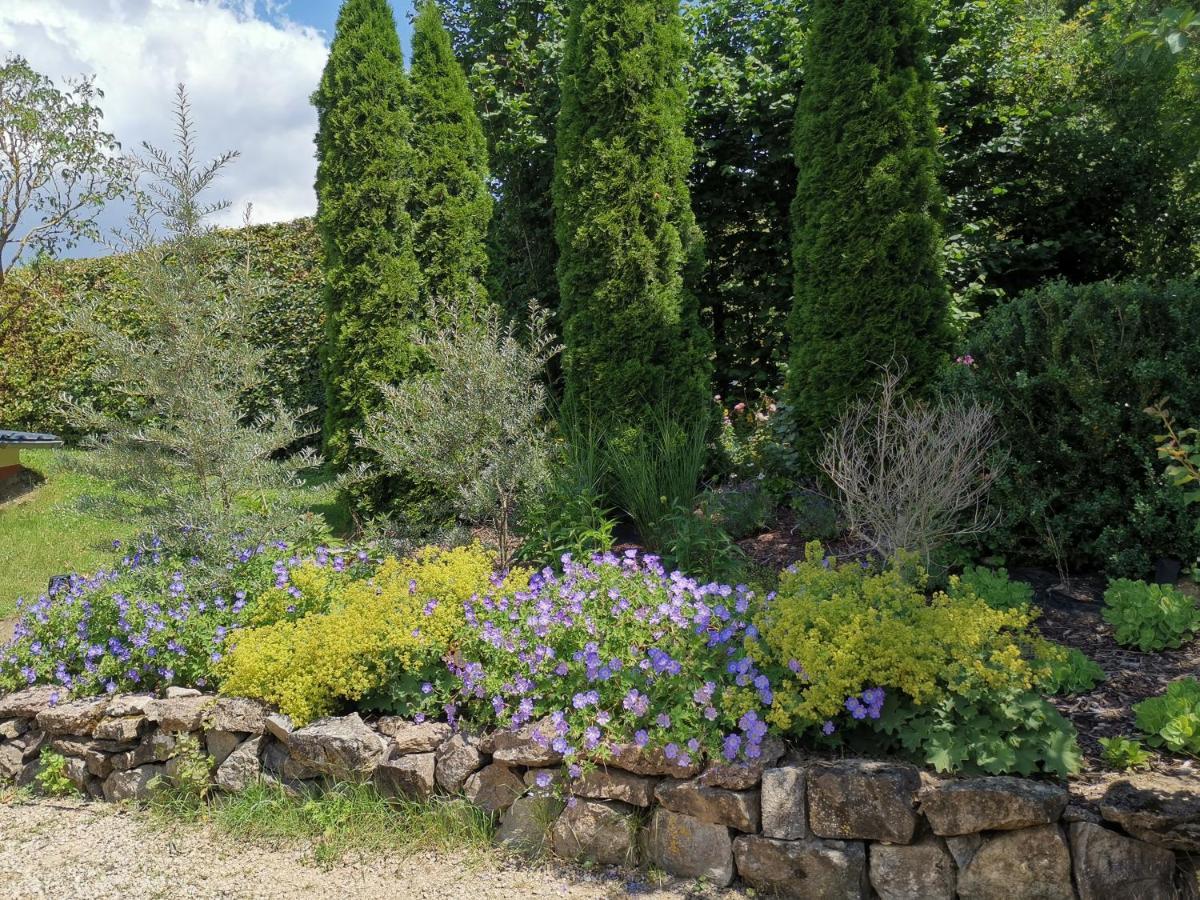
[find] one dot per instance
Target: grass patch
(66, 524)
(48, 532)
(347, 818)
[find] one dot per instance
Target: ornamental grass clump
(867, 659)
(155, 619)
(373, 642)
(619, 651)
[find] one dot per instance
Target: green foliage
(657, 472)
(190, 783)
(183, 448)
(451, 205)
(43, 357)
(1070, 671)
(993, 587)
(1180, 447)
(475, 422)
(377, 641)
(59, 168)
(959, 676)
(511, 50)
(1068, 370)
(569, 514)
(351, 818)
(1068, 156)
(740, 511)
(867, 241)
(743, 78)
(1172, 720)
(986, 731)
(627, 238)
(364, 183)
(1125, 754)
(52, 778)
(1150, 616)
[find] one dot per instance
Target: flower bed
(610, 651)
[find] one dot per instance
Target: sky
(249, 66)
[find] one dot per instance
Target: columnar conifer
(363, 188)
(451, 205)
(866, 245)
(627, 237)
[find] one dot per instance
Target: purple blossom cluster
(618, 650)
(867, 705)
(154, 619)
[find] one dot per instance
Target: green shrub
(1071, 671)
(958, 675)
(451, 204)
(656, 472)
(364, 163)
(629, 248)
(375, 641)
(570, 514)
(866, 218)
(52, 777)
(1069, 370)
(41, 357)
(993, 587)
(741, 510)
(1150, 616)
(1125, 754)
(1172, 720)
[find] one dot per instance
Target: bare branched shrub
(913, 476)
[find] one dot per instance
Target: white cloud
(248, 78)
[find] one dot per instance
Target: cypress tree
(866, 244)
(627, 238)
(451, 205)
(363, 180)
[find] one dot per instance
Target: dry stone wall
(786, 825)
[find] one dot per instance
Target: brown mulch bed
(1071, 615)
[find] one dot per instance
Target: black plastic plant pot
(1166, 571)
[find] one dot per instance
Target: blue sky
(250, 67)
(321, 14)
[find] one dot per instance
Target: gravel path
(69, 849)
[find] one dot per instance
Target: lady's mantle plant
(868, 659)
(617, 651)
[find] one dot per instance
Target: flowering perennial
(617, 650)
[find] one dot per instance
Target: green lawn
(45, 532)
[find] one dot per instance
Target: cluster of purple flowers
(867, 705)
(153, 620)
(618, 650)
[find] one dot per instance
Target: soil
(1071, 615)
(74, 849)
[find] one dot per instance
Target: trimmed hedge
(39, 361)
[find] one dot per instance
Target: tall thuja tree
(627, 238)
(511, 51)
(450, 205)
(363, 187)
(867, 242)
